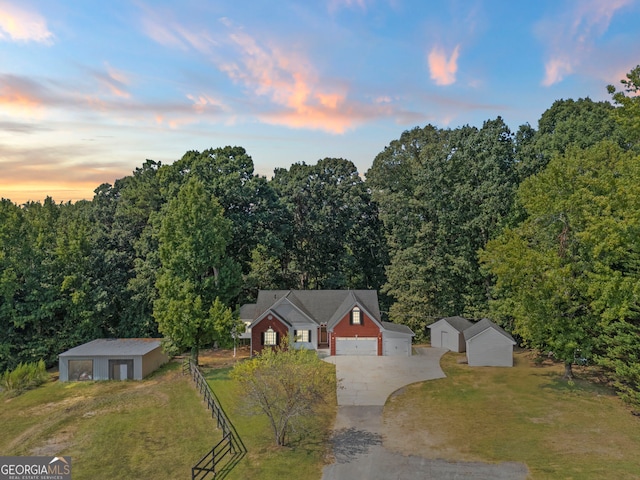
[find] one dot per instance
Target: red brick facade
(262, 326)
(367, 328)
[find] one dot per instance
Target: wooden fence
(230, 449)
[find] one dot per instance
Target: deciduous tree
(286, 385)
(196, 275)
(568, 275)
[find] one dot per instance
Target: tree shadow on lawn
(586, 381)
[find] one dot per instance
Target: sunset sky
(90, 89)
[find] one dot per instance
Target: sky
(91, 89)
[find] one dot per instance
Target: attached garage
(356, 346)
(396, 340)
(396, 347)
(112, 359)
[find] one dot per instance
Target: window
(302, 335)
(355, 316)
(270, 337)
(80, 370)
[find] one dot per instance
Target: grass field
(156, 428)
(159, 428)
(303, 458)
(526, 414)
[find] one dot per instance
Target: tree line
(536, 228)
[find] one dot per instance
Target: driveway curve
(364, 384)
(369, 381)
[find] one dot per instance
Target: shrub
(24, 377)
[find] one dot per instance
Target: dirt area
(221, 358)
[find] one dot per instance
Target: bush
(285, 384)
(24, 377)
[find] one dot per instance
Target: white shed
(488, 345)
(112, 359)
(447, 333)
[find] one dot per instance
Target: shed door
(444, 340)
(120, 369)
(356, 346)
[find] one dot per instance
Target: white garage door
(356, 346)
(397, 346)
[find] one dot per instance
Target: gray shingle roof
(396, 327)
(459, 323)
(248, 311)
(114, 347)
(481, 326)
(320, 305)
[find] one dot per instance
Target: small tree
(284, 384)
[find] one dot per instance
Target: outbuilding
(112, 359)
(448, 333)
(488, 345)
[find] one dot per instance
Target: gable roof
(102, 347)
(248, 312)
(483, 325)
(322, 306)
(457, 322)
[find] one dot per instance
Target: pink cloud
(116, 81)
(285, 86)
(21, 96)
(443, 69)
(556, 69)
(571, 37)
(23, 25)
(289, 80)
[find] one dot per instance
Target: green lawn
(156, 428)
(526, 414)
(303, 458)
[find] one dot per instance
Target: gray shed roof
(103, 347)
(457, 322)
(481, 326)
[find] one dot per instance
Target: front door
(324, 337)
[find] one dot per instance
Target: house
(342, 322)
(447, 333)
(112, 359)
(488, 345)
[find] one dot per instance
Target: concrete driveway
(370, 380)
(364, 384)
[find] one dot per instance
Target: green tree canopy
(628, 102)
(582, 123)
(196, 275)
(335, 239)
(567, 276)
(442, 195)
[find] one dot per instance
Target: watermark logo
(35, 468)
